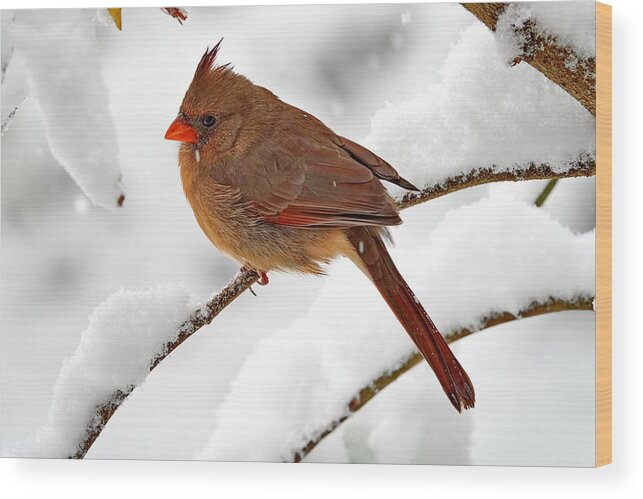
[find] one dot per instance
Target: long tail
(377, 263)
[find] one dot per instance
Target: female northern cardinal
(275, 189)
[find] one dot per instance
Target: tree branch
(584, 166)
(561, 64)
(367, 393)
(199, 318)
(7, 122)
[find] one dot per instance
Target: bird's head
(216, 105)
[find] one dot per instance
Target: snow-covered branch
(93, 416)
(365, 394)
(137, 328)
(529, 33)
(584, 166)
(7, 122)
(202, 316)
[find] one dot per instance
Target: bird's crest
(207, 64)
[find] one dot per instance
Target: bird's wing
(377, 165)
(324, 185)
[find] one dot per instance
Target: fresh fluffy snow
(537, 426)
(300, 379)
(125, 333)
(14, 80)
(571, 24)
(482, 113)
(60, 52)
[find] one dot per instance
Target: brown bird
(275, 189)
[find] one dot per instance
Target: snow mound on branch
(514, 367)
(530, 258)
(60, 52)
(572, 24)
(300, 380)
(481, 114)
(125, 333)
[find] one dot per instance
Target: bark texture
(573, 73)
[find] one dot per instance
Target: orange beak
(182, 131)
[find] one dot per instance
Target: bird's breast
(218, 211)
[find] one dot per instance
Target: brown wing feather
(376, 164)
(338, 194)
(318, 179)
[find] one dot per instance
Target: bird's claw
(263, 277)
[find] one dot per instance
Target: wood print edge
(603, 234)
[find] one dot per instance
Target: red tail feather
(411, 314)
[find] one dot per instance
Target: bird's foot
(263, 277)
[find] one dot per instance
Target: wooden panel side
(603, 234)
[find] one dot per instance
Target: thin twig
(6, 123)
(561, 64)
(542, 197)
(585, 166)
(387, 377)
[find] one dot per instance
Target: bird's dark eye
(208, 120)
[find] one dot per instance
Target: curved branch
(584, 166)
(367, 393)
(199, 318)
(561, 64)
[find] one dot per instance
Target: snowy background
(428, 88)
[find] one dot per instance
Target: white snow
(81, 204)
(571, 24)
(125, 333)
(6, 46)
(300, 379)
(481, 114)
(60, 52)
(14, 80)
(537, 426)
